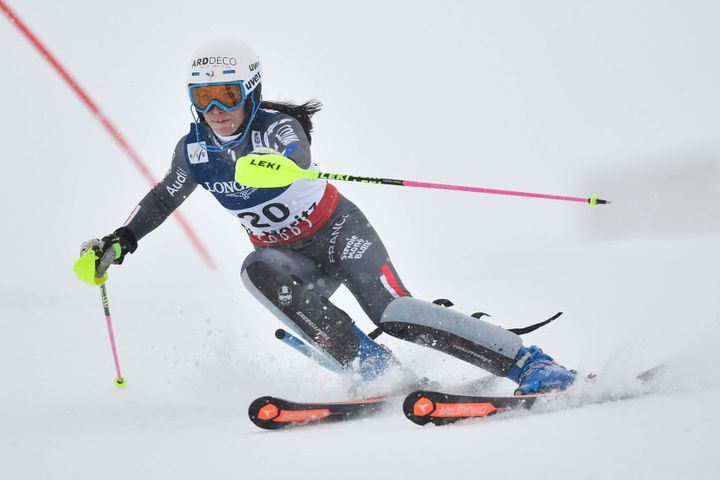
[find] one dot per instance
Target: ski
(272, 413)
(424, 406)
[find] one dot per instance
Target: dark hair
(302, 113)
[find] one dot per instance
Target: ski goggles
(225, 96)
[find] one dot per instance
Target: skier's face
(225, 123)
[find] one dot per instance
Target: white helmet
(223, 61)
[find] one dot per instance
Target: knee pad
(302, 269)
(487, 346)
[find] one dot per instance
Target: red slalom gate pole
(105, 121)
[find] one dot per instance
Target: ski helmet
(227, 62)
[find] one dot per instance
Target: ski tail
(272, 413)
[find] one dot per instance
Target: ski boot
(536, 372)
(373, 359)
(377, 371)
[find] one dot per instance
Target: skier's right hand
(105, 251)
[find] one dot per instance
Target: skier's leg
(362, 263)
(490, 347)
(294, 264)
(352, 253)
(359, 259)
(295, 290)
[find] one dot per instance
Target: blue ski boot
(377, 371)
(536, 372)
(372, 359)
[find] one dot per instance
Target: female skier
(308, 238)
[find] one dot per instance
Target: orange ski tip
(291, 416)
(268, 412)
(422, 407)
(464, 410)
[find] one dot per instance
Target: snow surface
(618, 98)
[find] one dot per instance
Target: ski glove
(96, 255)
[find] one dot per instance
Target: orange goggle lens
(228, 95)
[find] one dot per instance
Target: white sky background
(615, 98)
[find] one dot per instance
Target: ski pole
(274, 170)
(120, 381)
(294, 342)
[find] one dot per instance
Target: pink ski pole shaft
(119, 379)
(593, 200)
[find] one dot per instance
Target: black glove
(110, 249)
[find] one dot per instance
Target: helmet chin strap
(226, 146)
